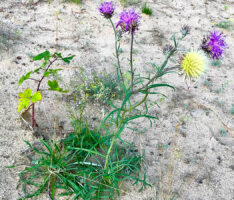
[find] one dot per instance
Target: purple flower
(214, 44)
(168, 49)
(129, 21)
(107, 9)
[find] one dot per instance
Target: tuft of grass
(216, 63)
(226, 24)
(146, 10)
(232, 109)
(74, 166)
(126, 3)
(74, 1)
(223, 132)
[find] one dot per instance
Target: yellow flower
(194, 64)
(99, 96)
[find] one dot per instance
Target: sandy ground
(203, 163)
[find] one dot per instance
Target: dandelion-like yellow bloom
(194, 64)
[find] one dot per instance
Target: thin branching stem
(117, 50)
(161, 71)
(120, 126)
(157, 75)
(38, 88)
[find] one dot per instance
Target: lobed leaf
(53, 85)
(36, 97)
(24, 100)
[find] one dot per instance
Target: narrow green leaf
(47, 146)
(144, 92)
(139, 116)
(160, 85)
(9, 167)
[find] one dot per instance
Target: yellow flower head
(194, 63)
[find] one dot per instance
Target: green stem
(116, 50)
(161, 71)
(109, 151)
(114, 139)
(119, 127)
(131, 61)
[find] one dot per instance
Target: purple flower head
(168, 49)
(185, 30)
(214, 44)
(107, 9)
(129, 21)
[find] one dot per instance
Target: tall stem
(119, 127)
(114, 139)
(131, 61)
(38, 88)
(116, 50)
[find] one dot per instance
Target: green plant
(124, 113)
(232, 109)
(221, 89)
(226, 24)
(216, 63)
(129, 2)
(28, 98)
(91, 163)
(146, 10)
(223, 132)
(100, 87)
(74, 167)
(74, 1)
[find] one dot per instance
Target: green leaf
(45, 55)
(59, 55)
(24, 77)
(55, 87)
(159, 85)
(24, 100)
(26, 94)
(23, 103)
(51, 71)
(9, 167)
(36, 97)
(68, 59)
